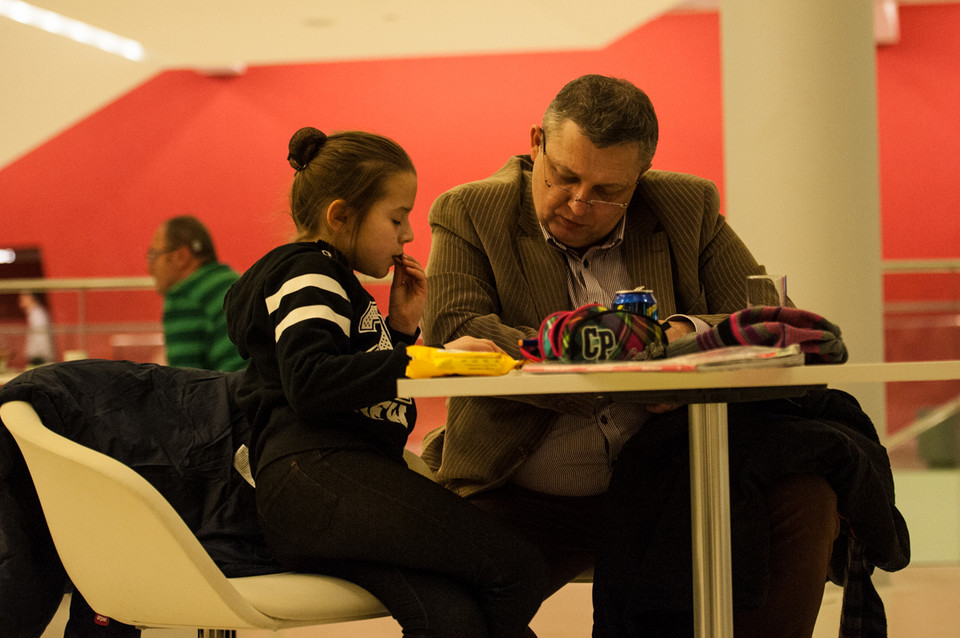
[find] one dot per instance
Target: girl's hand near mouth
(408, 294)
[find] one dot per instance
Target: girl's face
(385, 229)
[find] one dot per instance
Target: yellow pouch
(426, 362)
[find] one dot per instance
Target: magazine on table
(727, 358)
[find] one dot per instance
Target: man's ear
(181, 256)
(183, 262)
(536, 140)
(338, 215)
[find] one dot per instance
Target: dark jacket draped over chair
(177, 427)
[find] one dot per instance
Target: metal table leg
(710, 518)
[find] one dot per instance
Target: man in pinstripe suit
(577, 219)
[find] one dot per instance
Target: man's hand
(677, 327)
(661, 408)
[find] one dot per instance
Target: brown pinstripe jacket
(492, 275)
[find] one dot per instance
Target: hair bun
(304, 146)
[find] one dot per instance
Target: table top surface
(519, 382)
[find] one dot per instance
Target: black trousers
(440, 566)
(618, 533)
(801, 512)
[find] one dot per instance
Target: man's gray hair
(609, 111)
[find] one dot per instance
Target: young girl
(333, 493)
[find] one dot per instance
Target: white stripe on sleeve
(305, 313)
(305, 281)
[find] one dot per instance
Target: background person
(39, 347)
(334, 495)
(579, 218)
(183, 263)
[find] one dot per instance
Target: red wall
(918, 92)
(184, 143)
(216, 147)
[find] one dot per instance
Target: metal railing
(84, 285)
(80, 285)
(932, 418)
(946, 411)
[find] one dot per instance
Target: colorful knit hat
(596, 333)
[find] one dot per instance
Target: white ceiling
(50, 83)
(215, 33)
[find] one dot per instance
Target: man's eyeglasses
(152, 254)
(576, 196)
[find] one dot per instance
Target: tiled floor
(920, 601)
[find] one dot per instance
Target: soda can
(639, 301)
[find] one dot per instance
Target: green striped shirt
(194, 326)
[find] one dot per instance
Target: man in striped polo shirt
(183, 263)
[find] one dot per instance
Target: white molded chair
(136, 561)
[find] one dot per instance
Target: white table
(707, 394)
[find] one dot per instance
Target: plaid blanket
(818, 338)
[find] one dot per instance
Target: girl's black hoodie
(323, 363)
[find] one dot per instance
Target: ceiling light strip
(69, 28)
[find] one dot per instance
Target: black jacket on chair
(177, 427)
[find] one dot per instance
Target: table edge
(524, 383)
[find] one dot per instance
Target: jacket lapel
(646, 251)
(543, 267)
